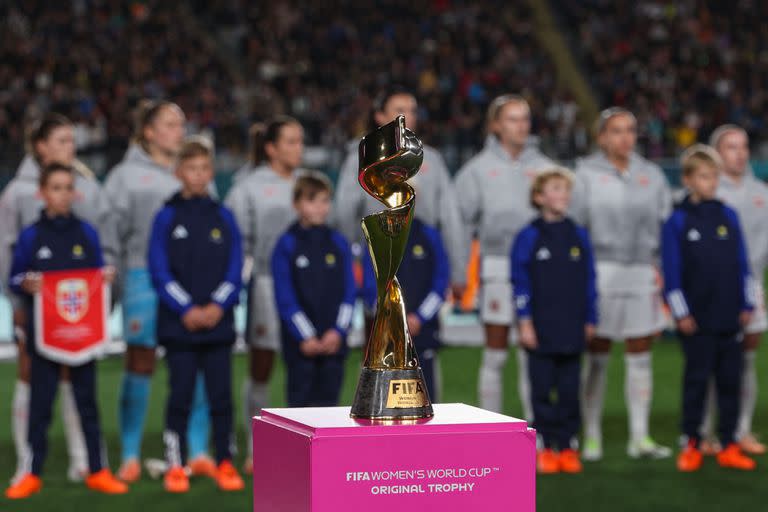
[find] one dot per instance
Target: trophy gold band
(391, 385)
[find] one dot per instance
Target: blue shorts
(139, 309)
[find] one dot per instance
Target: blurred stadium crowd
(319, 63)
(684, 67)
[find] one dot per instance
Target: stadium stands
(92, 61)
(318, 63)
(684, 66)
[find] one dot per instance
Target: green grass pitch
(615, 484)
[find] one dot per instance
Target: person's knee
(140, 360)
(752, 341)
(261, 363)
(496, 336)
(639, 345)
(599, 346)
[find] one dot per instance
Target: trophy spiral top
(389, 157)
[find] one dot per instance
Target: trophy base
(391, 395)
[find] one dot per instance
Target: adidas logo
(180, 232)
(543, 254)
(44, 253)
(302, 261)
(694, 235)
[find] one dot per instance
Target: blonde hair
(609, 113)
(544, 177)
(696, 156)
(497, 105)
(144, 115)
(722, 130)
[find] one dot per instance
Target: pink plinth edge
(320, 460)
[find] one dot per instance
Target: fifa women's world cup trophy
(391, 385)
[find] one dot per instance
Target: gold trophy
(391, 385)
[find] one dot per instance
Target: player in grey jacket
(135, 190)
(494, 200)
(436, 204)
(748, 195)
(622, 199)
(261, 200)
(50, 140)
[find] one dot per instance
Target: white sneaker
(76, 474)
(647, 448)
(593, 449)
(156, 468)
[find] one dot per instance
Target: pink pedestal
(464, 459)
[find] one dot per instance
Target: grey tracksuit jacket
(135, 190)
(494, 195)
(262, 203)
(624, 212)
(749, 198)
(20, 205)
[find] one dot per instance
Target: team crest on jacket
(694, 235)
(330, 259)
(216, 235)
(722, 232)
(418, 251)
(44, 253)
(575, 253)
(72, 299)
(302, 261)
(77, 251)
(180, 232)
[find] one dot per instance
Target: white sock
(73, 430)
(593, 393)
(255, 398)
(490, 381)
(20, 427)
(748, 395)
(710, 409)
(638, 386)
(524, 384)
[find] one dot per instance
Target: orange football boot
(547, 462)
(130, 471)
(228, 478)
(176, 480)
(690, 458)
(570, 462)
(203, 466)
(751, 446)
(27, 485)
(104, 481)
(732, 457)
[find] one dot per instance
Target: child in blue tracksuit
(707, 285)
(424, 275)
(58, 241)
(553, 277)
(315, 293)
(195, 261)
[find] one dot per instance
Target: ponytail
(41, 129)
(145, 114)
(262, 134)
